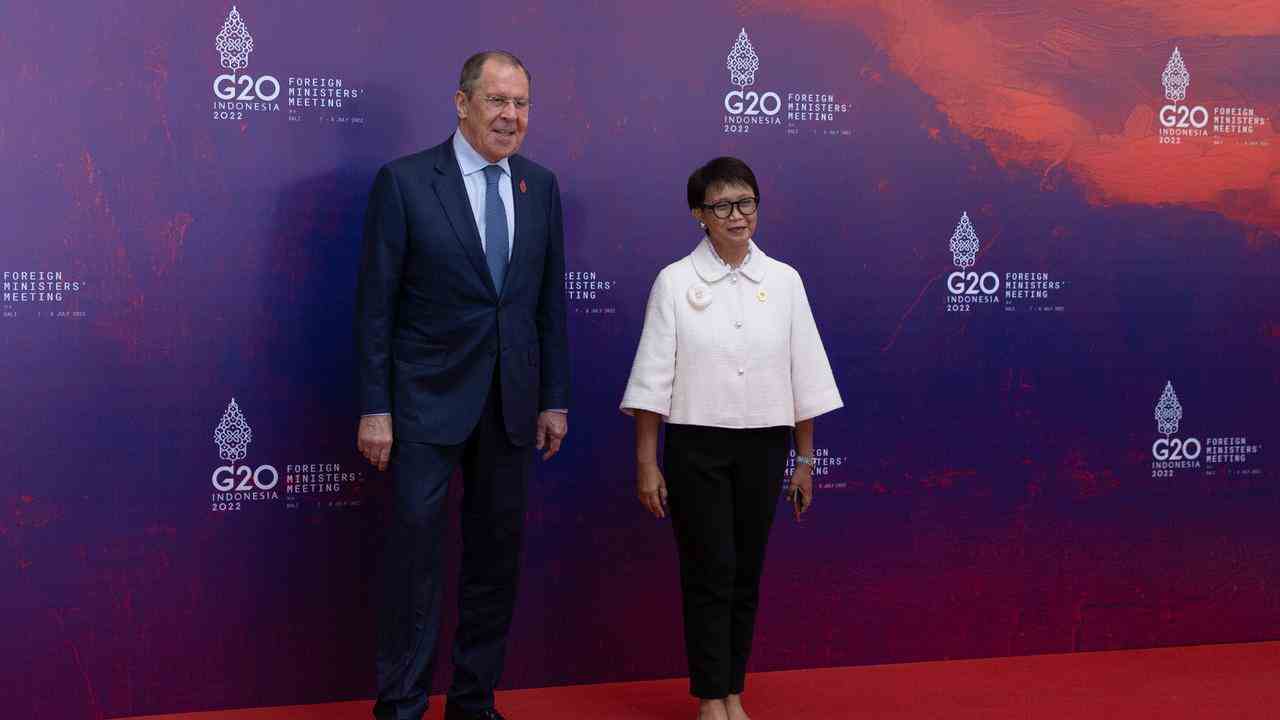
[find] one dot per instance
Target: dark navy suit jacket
(429, 324)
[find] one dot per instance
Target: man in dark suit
(463, 356)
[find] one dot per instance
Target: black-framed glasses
(500, 102)
(724, 209)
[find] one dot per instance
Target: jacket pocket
(418, 353)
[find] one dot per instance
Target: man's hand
(552, 427)
(374, 439)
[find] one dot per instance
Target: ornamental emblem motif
(964, 243)
(1175, 78)
(234, 43)
(233, 434)
(743, 61)
(1168, 411)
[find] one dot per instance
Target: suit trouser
(722, 490)
(494, 474)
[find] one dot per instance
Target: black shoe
(453, 712)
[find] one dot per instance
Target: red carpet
(1189, 683)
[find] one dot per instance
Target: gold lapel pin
(761, 295)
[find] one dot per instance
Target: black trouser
(722, 490)
(494, 474)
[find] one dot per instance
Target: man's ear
(460, 102)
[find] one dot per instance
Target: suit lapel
(453, 198)
(523, 207)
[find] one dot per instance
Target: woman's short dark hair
(720, 171)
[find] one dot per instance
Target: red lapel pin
(523, 188)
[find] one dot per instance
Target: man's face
(495, 129)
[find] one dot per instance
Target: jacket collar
(470, 161)
(457, 207)
(711, 268)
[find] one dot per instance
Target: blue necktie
(496, 241)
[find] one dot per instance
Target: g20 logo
(1176, 449)
(1183, 116)
(264, 477)
(263, 88)
(737, 102)
(971, 283)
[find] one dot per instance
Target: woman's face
(736, 229)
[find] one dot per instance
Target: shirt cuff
(382, 414)
(559, 410)
(629, 407)
(820, 404)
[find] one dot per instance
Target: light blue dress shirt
(472, 166)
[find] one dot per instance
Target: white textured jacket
(730, 348)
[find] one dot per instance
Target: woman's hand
(802, 480)
(651, 488)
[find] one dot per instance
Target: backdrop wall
(1041, 246)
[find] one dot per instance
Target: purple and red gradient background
(999, 497)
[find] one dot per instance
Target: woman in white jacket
(730, 357)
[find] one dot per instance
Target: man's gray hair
(474, 64)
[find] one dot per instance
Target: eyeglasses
(498, 103)
(724, 210)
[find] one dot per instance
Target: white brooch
(699, 295)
